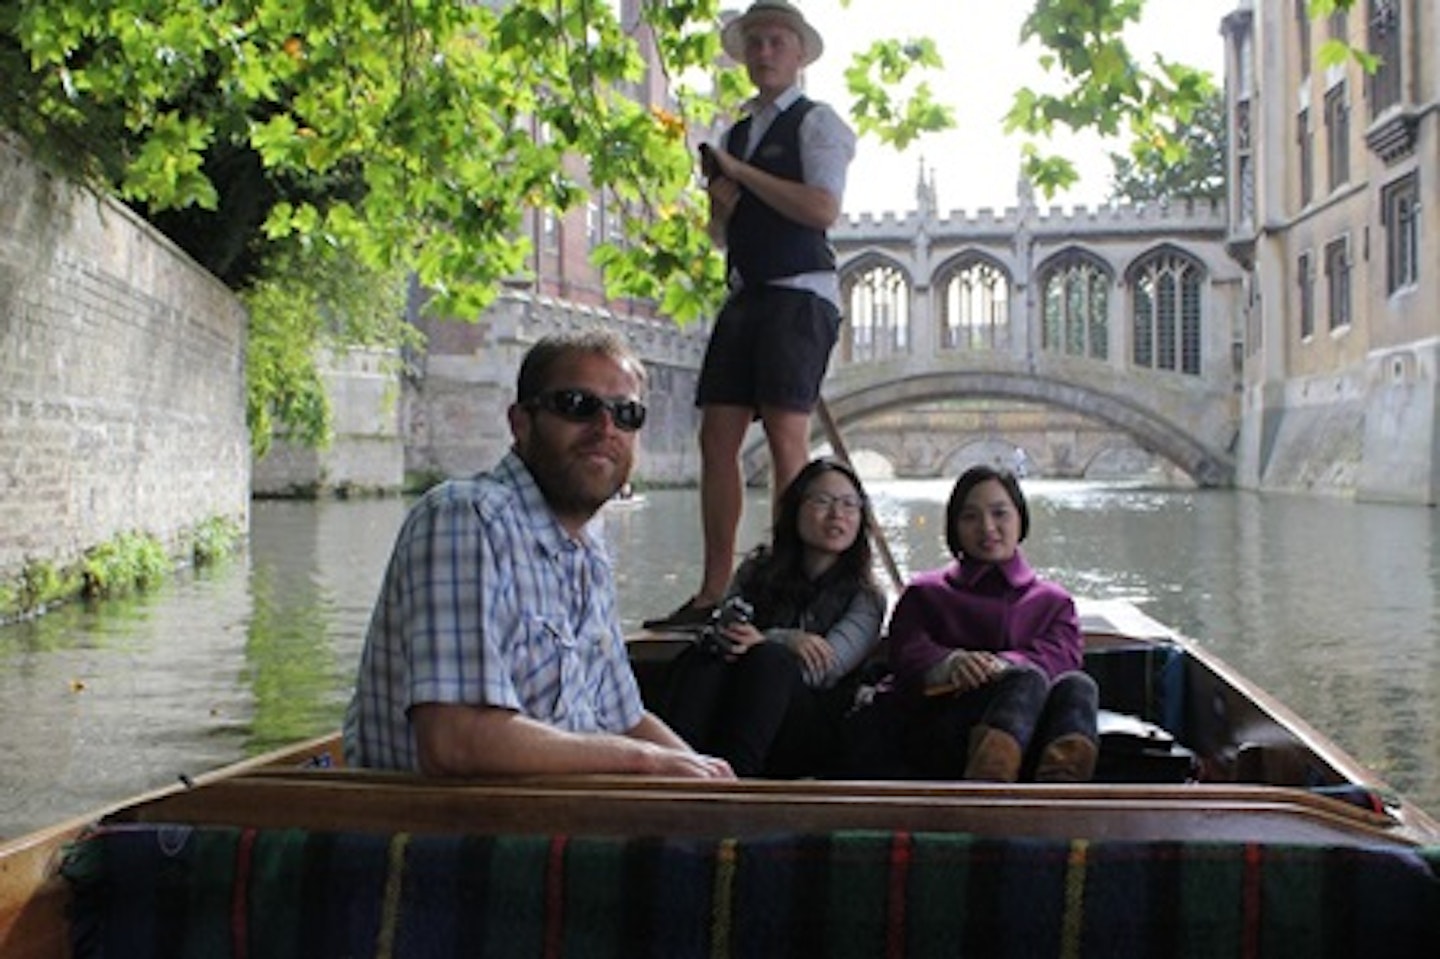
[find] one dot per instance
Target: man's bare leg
(787, 432)
(722, 494)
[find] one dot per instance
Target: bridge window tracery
(1075, 288)
(876, 299)
(975, 306)
(1167, 306)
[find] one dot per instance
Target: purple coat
(1003, 608)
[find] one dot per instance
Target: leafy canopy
(1103, 87)
(279, 142)
(282, 141)
(1150, 172)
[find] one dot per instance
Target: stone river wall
(122, 398)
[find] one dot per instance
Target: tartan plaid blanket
(160, 891)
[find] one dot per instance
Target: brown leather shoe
(1068, 759)
(994, 756)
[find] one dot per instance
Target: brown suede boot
(994, 756)
(1067, 759)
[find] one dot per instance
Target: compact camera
(729, 613)
(709, 166)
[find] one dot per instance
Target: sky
(976, 165)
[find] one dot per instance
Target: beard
(577, 479)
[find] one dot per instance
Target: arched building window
(974, 304)
(875, 298)
(1165, 319)
(1075, 291)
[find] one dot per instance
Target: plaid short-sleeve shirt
(487, 600)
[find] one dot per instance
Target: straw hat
(732, 35)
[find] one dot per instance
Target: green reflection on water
(291, 670)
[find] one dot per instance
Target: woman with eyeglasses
(768, 684)
(987, 656)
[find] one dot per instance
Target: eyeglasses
(824, 502)
(582, 406)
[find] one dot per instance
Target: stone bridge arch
(1207, 464)
(929, 442)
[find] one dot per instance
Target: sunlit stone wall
(122, 396)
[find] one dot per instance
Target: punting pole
(877, 534)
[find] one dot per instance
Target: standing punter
(775, 187)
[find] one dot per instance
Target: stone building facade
(1334, 211)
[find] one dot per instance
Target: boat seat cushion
(153, 890)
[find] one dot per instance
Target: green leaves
(285, 144)
(1188, 162)
(1103, 87)
(166, 173)
(883, 72)
(128, 562)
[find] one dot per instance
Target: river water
(1330, 605)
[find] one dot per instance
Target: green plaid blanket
(159, 891)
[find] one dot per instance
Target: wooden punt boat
(1204, 776)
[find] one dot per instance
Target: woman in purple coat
(987, 656)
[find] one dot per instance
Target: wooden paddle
(877, 534)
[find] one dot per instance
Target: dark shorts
(770, 347)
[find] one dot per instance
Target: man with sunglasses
(775, 183)
(494, 647)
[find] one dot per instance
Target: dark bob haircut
(970, 479)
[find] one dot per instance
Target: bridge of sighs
(1129, 315)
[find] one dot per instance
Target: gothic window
(1075, 290)
(975, 306)
(1337, 281)
(1305, 288)
(1337, 134)
(1166, 321)
(1400, 215)
(1305, 141)
(1384, 43)
(877, 307)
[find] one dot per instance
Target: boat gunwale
(371, 801)
(32, 896)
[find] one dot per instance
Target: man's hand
(807, 205)
(716, 163)
(688, 765)
(725, 193)
(460, 740)
(672, 756)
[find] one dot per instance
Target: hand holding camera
(709, 166)
(734, 611)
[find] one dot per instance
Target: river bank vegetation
(129, 562)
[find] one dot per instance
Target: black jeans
(902, 738)
(755, 711)
(937, 730)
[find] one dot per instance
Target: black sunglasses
(582, 406)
